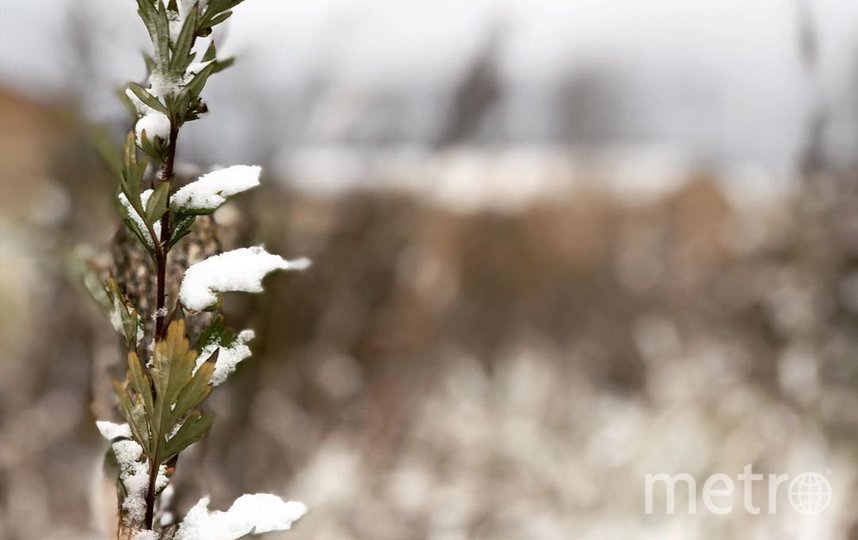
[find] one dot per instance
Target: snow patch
(228, 357)
(153, 124)
(111, 431)
(211, 190)
(237, 270)
(134, 475)
(135, 217)
(259, 513)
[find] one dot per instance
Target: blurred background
(558, 245)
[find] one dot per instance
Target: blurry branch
(812, 156)
(477, 92)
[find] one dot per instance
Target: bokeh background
(558, 245)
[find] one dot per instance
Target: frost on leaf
(212, 190)
(238, 270)
(121, 313)
(133, 469)
(134, 475)
(259, 513)
(129, 212)
(230, 353)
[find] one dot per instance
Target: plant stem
(154, 466)
(165, 174)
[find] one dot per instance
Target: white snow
(110, 430)
(228, 357)
(211, 190)
(146, 535)
(259, 513)
(133, 473)
(194, 68)
(238, 270)
(162, 86)
(154, 124)
(178, 20)
(135, 217)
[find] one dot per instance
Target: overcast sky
(721, 79)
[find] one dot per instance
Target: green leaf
(139, 380)
(132, 174)
(194, 429)
(130, 151)
(134, 414)
(141, 235)
(150, 62)
(215, 8)
(161, 404)
(196, 390)
(215, 333)
(127, 103)
(196, 85)
(217, 19)
(96, 289)
(157, 204)
(161, 40)
(158, 26)
(221, 65)
(211, 52)
(153, 148)
(182, 229)
(147, 98)
(185, 42)
(121, 308)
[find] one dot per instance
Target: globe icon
(810, 493)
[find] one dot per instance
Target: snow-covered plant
(178, 347)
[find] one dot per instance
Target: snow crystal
(135, 217)
(110, 430)
(237, 270)
(162, 86)
(211, 190)
(127, 454)
(228, 357)
(259, 513)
